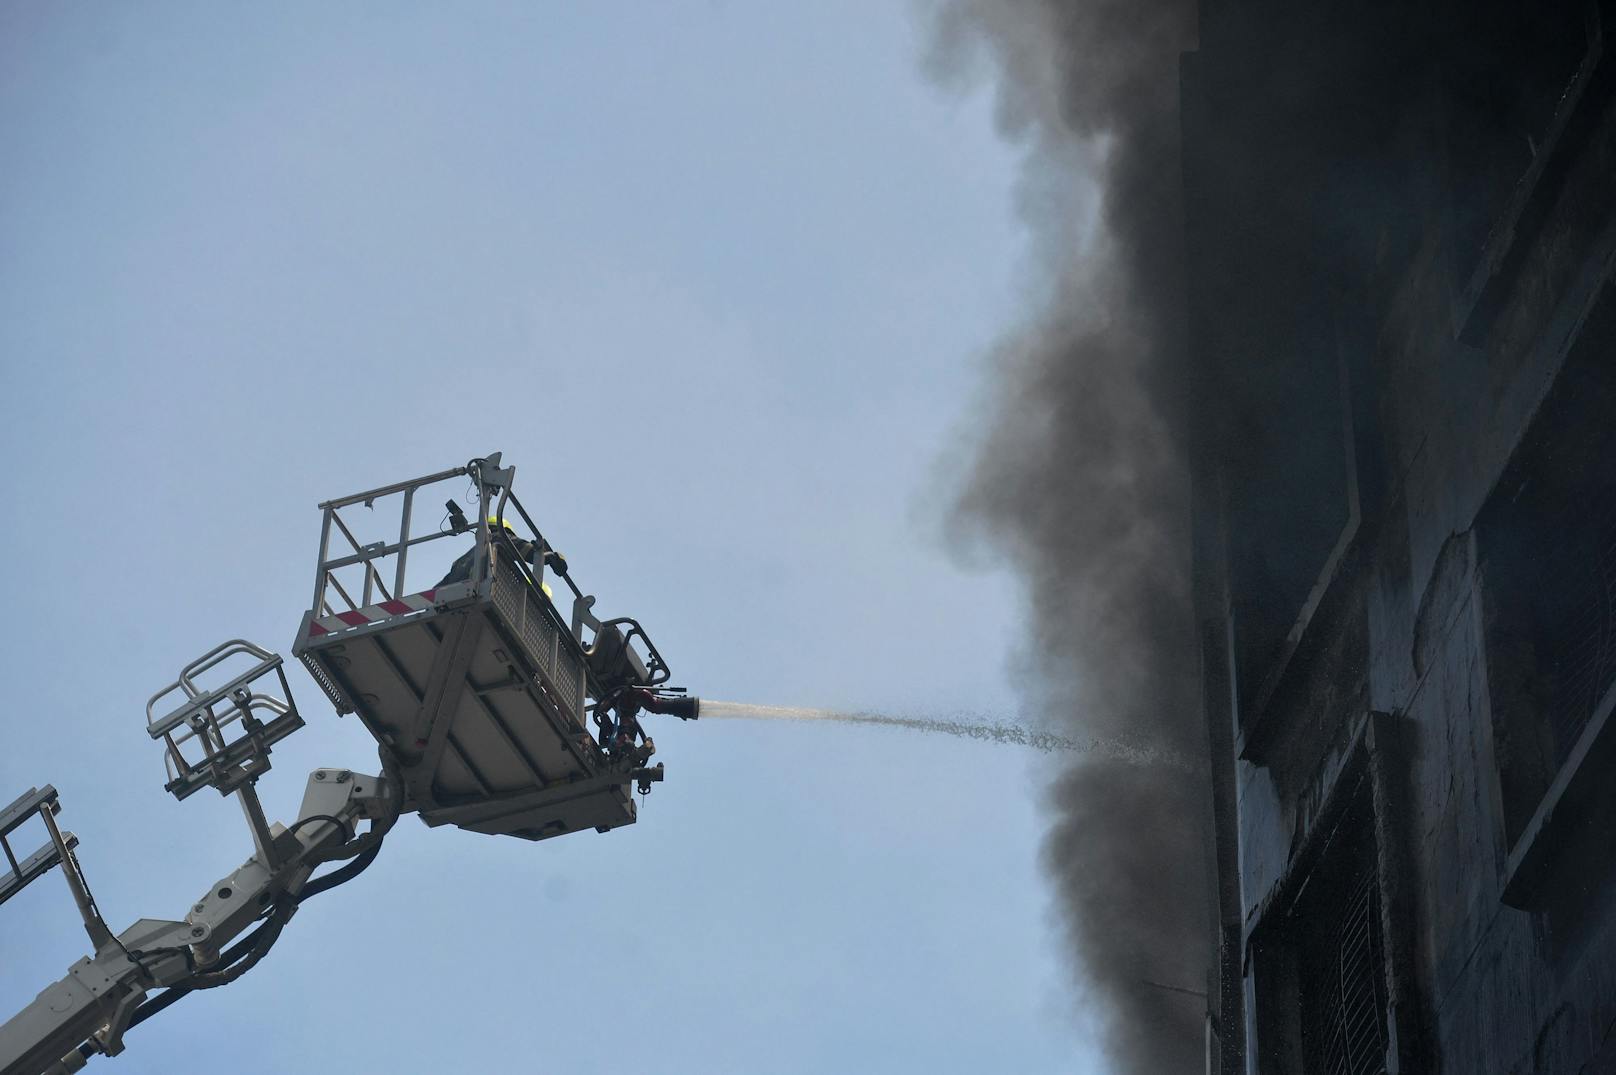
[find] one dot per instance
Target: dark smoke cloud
(1081, 480)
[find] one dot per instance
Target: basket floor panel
(507, 733)
(606, 808)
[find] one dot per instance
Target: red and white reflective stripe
(415, 602)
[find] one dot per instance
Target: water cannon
(674, 703)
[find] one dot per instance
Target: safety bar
(373, 584)
(494, 498)
(495, 502)
(397, 487)
(205, 716)
(656, 669)
(19, 873)
(197, 698)
(508, 497)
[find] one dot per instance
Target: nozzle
(684, 706)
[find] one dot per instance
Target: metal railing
(222, 722)
(366, 555)
(16, 873)
(353, 573)
(384, 565)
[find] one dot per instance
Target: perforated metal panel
(332, 691)
(540, 637)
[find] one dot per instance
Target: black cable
(251, 949)
(246, 953)
(264, 938)
(152, 1005)
(229, 958)
(348, 832)
(258, 940)
(137, 956)
(342, 874)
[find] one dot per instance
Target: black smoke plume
(1080, 478)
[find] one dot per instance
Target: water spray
(964, 726)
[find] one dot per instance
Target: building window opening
(1548, 567)
(1506, 76)
(1322, 970)
(1345, 995)
(1341, 963)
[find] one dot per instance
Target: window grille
(1345, 993)
(1321, 970)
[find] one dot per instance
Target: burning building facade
(1400, 228)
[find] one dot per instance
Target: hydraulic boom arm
(105, 993)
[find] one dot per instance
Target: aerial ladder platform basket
(480, 694)
(476, 686)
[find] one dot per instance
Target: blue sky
(720, 280)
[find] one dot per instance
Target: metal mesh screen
(332, 691)
(569, 679)
(539, 637)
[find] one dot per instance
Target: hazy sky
(719, 279)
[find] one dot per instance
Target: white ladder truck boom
(491, 710)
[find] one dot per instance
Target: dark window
(1292, 505)
(1344, 988)
(1299, 193)
(1342, 959)
(1509, 65)
(1548, 566)
(1322, 968)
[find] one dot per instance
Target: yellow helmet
(494, 522)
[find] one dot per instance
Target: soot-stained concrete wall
(1401, 232)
